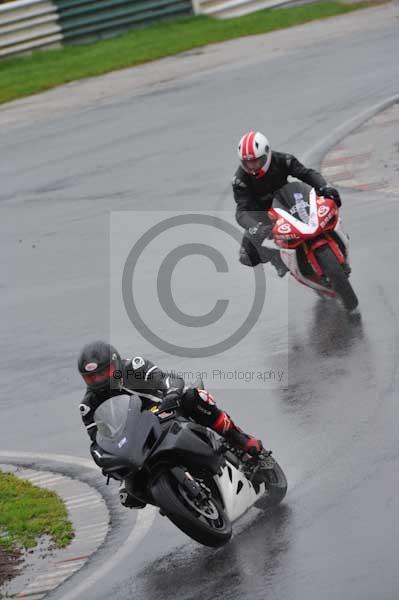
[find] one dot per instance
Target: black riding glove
(170, 401)
(330, 192)
(258, 233)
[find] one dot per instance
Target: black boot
(278, 263)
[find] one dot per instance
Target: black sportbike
(200, 483)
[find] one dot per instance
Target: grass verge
(42, 70)
(27, 512)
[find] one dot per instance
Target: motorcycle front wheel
(337, 277)
(276, 486)
(205, 522)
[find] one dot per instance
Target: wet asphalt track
(334, 428)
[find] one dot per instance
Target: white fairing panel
(305, 228)
(237, 492)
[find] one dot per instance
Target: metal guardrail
(85, 20)
(26, 25)
(29, 24)
(226, 9)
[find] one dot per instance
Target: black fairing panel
(138, 439)
(135, 440)
(183, 442)
(109, 462)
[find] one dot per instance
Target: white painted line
(86, 499)
(44, 475)
(41, 587)
(52, 579)
(65, 566)
(73, 561)
(88, 542)
(46, 482)
(64, 458)
(33, 596)
(60, 572)
(44, 479)
(53, 576)
(87, 502)
(65, 482)
(81, 496)
(100, 526)
(317, 152)
(144, 522)
(86, 535)
(44, 583)
(339, 169)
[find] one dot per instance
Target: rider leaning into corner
(256, 182)
(107, 375)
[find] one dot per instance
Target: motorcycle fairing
(306, 229)
(185, 443)
(301, 215)
(318, 243)
(290, 259)
(131, 435)
(126, 429)
(237, 492)
(303, 223)
(294, 198)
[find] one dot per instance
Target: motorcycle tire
(276, 486)
(209, 532)
(337, 277)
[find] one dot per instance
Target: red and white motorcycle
(312, 244)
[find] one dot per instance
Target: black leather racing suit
(141, 376)
(254, 195)
(153, 386)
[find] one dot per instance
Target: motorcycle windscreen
(126, 429)
(111, 416)
(294, 198)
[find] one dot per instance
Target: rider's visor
(101, 376)
(253, 165)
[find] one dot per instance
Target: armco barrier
(85, 20)
(29, 24)
(226, 9)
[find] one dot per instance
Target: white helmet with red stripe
(254, 153)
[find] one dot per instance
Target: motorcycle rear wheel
(214, 531)
(337, 277)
